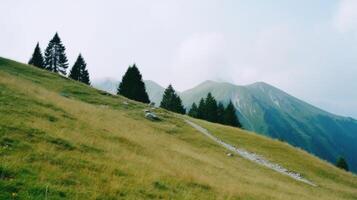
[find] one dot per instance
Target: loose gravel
(252, 156)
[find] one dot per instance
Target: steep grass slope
(60, 139)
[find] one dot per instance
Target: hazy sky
(307, 48)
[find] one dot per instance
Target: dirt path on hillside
(251, 156)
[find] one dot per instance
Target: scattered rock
(151, 116)
(230, 154)
(105, 93)
(64, 94)
(252, 156)
(125, 103)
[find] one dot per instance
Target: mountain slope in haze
(265, 109)
(61, 139)
(106, 84)
(155, 91)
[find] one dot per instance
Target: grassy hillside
(60, 139)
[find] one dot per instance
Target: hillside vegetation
(60, 139)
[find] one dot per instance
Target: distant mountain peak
(207, 82)
(260, 83)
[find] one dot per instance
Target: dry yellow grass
(83, 144)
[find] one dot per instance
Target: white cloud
(200, 57)
(345, 19)
(269, 55)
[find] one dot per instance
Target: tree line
(55, 60)
(208, 109)
(132, 85)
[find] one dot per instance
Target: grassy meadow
(60, 139)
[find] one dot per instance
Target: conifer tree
(211, 108)
(171, 101)
(202, 109)
(55, 57)
(79, 71)
(342, 163)
(179, 108)
(85, 77)
(132, 85)
(220, 113)
(193, 111)
(168, 98)
(230, 117)
(75, 72)
(37, 58)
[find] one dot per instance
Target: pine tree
(168, 98)
(211, 108)
(193, 111)
(230, 117)
(37, 58)
(55, 57)
(132, 85)
(342, 163)
(75, 72)
(202, 109)
(85, 77)
(171, 101)
(179, 108)
(79, 71)
(220, 113)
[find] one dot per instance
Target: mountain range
(267, 110)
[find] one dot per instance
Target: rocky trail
(252, 156)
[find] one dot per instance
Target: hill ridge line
(252, 156)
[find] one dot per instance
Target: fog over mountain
(310, 55)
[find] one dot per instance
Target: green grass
(66, 140)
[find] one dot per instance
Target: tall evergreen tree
(179, 108)
(171, 101)
(85, 77)
(211, 108)
(75, 72)
(132, 85)
(37, 58)
(55, 57)
(193, 111)
(167, 101)
(220, 113)
(342, 163)
(79, 71)
(230, 117)
(201, 109)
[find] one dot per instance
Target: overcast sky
(306, 48)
